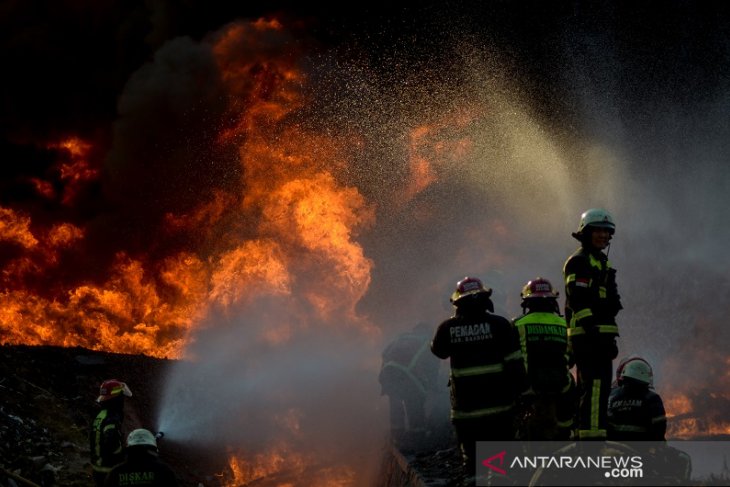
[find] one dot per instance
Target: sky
(276, 190)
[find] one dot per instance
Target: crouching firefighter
(636, 416)
(487, 371)
(142, 466)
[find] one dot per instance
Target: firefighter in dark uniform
(407, 377)
(142, 465)
(544, 340)
(635, 411)
(106, 437)
(487, 371)
(636, 414)
(591, 305)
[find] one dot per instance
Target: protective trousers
(495, 427)
(595, 371)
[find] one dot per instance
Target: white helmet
(639, 370)
(596, 217)
(141, 437)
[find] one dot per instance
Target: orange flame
(286, 230)
(280, 466)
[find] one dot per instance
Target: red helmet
(539, 288)
(468, 287)
(112, 388)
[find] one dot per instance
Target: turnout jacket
(592, 300)
(143, 468)
(544, 343)
(106, 439)
(487, 370)
(636, 413)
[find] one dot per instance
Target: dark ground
(47, 399)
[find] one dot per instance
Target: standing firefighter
(106, 438)
(591, 305)
(487, 372)
(407, 376)
(544, 339)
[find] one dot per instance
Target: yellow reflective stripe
(602, 293)
(541, 318)
(101, 469)
(584, 313)
(658, 419)
(471, 371)
(565, 424)
(569, 278)
(601, 329)
(523, 343)
(567, 386)
(591, 433)
(516, 355)
(478, 413)
(595, 262)
(580, 315)
(595, 402)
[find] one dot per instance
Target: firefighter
(544, 340)
(636, 414)
(106, 436)
(591, 305)
(142, 465)
(635, 410)
(407, 377)
(487, 371)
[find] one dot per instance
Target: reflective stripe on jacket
(592, 298)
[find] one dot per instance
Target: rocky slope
(47, 399)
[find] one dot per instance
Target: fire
(281, 466)
(689, 418)
(699, 409)
(15, 228)
(76, 171)
(286, 228)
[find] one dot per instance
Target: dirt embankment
(47, 400)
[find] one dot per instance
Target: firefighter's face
(600, 238)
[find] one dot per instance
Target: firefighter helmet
(637, 369)
(112, 388)
(141, 437)
(469, 286)
(539, 288)
(597, 218)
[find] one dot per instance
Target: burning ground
(267, 196)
